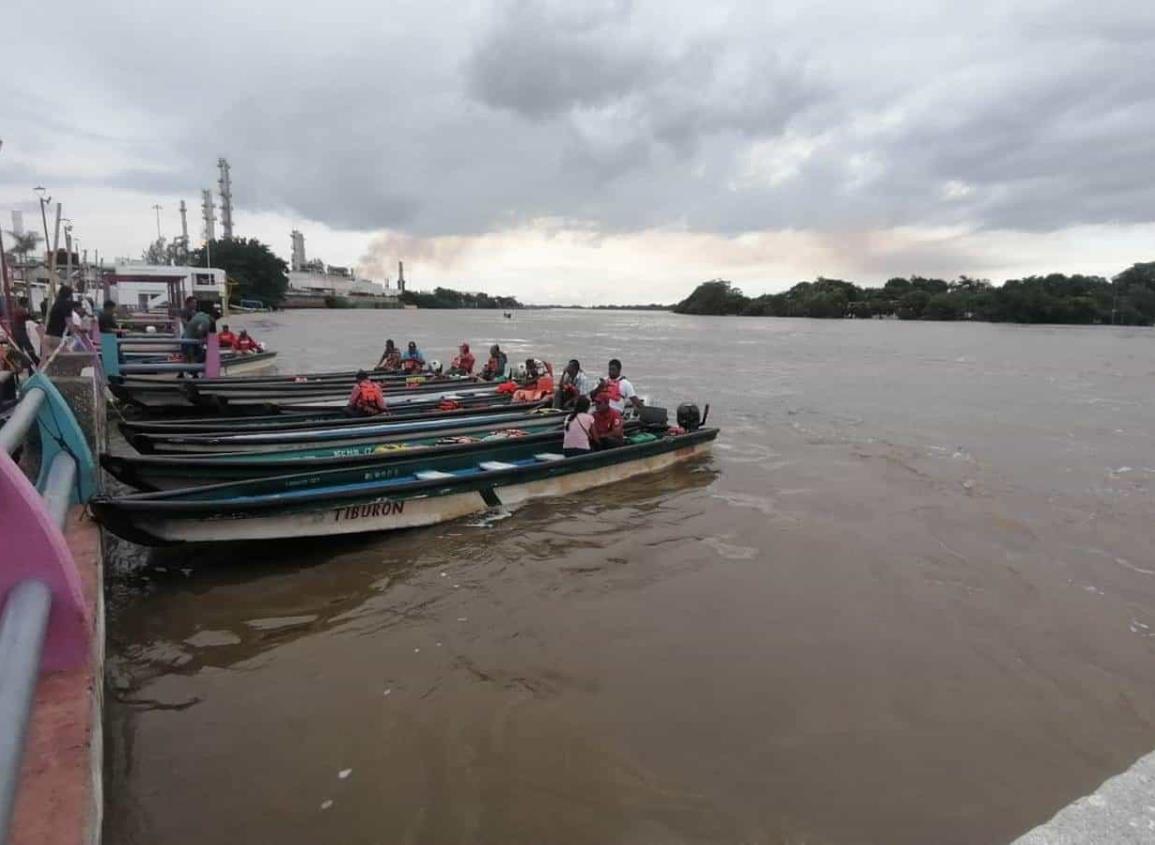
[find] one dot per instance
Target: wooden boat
(187, 395)
(372, 429)
(403, 455)
(330, 417)
(349, 501)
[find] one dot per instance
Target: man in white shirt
(621, 392)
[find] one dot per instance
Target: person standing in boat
(412, 361)
(572, 384)
(367, 398)
(59, 317)
(462, 364)
(619, 390)
(580, 436)
(497, 367)
(197, 328)
(608, 427)
(390, 359)
(190, 309)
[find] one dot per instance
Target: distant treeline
(1128, 299)
(653, 306)
(448, 298)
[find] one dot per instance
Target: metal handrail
(22, 629)
(26, 611)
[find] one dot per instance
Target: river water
(909, 598)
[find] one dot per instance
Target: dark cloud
(444, 119)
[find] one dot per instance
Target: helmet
(435, 366)
(521, 370)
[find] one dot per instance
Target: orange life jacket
(368, 397)
(613, 389)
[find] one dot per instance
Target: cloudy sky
(600, 150)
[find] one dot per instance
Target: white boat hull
(386, 514)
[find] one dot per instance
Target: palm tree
(23, 243)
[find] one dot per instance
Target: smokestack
(207, 213)
(401, 277)
(226, 186)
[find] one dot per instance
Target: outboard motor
(689, 417)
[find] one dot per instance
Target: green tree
(713, 297)
(23, 243)
(259, 272)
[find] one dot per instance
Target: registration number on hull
(386, 508)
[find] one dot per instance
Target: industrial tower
(297, 263)
(208, 215)
(401, 277)
(226, 200)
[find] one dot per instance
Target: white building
(152, 287)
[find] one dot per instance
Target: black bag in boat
(653, 417)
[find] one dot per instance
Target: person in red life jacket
(226, 338)
(497, 367)
(608, 428)
(244, 343)
(367, 398)
(462, 364)
(618, 389)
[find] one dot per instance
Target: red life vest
(368, 397)
(463, 362)
(613, 389)
(246, 344)
(226, 340)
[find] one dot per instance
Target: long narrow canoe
(330, 417)
(402, 456)
(341, 436)
(358, 500)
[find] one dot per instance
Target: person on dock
(608, 427)
(21, 316)
(412, 361)
(462, 363)
(620, 391)
(580, 436)
(190, 309)
(196, 328)
(572, 384)
(106, 319)
(367, 398)
(226, 338)
(246, 344)
(59, 316)
(497, 367)
(390, 359)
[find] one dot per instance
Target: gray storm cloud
(444, 120)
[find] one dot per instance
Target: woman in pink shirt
(579, 430)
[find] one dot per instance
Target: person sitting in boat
(462, 363)
(620, 391)
(390, 359)
(226, 338)
(497, 367)
(580, 436)
(367, 398)
(535, 381)
(608, 427)
(246, 344)
(106, 319)
(412, 361)
(572, 384)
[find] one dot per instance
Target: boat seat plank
(494, 466)
(433, 474)
(549, 456)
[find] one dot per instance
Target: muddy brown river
(909, 598)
